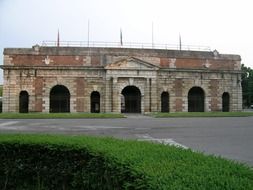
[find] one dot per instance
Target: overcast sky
(225, 25)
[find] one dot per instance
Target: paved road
(230, 137)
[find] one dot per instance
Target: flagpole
(121, 40)
(180, 42)
(58, 38)
(88, 33)
(152, 35)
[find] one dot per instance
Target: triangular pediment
(132, 63)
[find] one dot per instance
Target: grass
(203, 114)
(58, 115)
(117, 115)
(161, 167)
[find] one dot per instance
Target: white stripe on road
(92, 128)
(147, 137)
(8, 125)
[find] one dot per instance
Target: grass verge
(203, 114)
(67, 162)
(58, 115)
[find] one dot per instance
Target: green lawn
(117, 115)
(58, 115)
(203, 114)
(78, 162)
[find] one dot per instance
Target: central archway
(196, 100)
(131, 101)
(59, 99)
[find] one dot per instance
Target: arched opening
(131, 101)
(165, 102)
(196, 100)
(95, 102)
(225, 102)
(59, 99)
(23, 102)
(1, 105)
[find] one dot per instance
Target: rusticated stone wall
(109, 70)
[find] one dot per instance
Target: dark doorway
(196, 99)
(23, 102)
(95, 102)
(225, 102)
(59, 99)
(165, 102)
(132, 100)
(1, 105)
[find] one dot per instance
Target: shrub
(76, 162)
(1, 90)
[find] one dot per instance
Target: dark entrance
(23, 102)
(165, 102)
(95, 102)
(225, 102)
(132, 100)
(59, 99)
(196, 100)
(1, 105)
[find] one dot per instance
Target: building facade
(83, 79)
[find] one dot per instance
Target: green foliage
(1, 94)
(42, 162)
(58, 115)
(1, 90)
(247, 85)
(203, 114)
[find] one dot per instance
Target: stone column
(147, 93)
(153, 97)
(115, 96)
(178, 87)
(239, 93)
(236, 96)
(108, 97)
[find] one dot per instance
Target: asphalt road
(229, 137)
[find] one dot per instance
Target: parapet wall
(100, 57)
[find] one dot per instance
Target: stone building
(89, 79)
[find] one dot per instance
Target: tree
(247, 85)
(1, 94)
(1, 90)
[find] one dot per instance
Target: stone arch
(23, 102)
(165, 99)
(124, 85)
(131, 100)
(59, 99)
(225, 102)
(95, 102)
(196, 99)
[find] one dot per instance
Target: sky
(224, 25)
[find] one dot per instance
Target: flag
(58, 39)
(121, 40)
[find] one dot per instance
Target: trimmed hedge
(46, 162)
